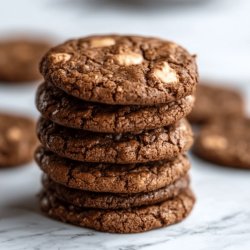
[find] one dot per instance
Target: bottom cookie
(134, 220)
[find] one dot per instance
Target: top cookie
(117, 69)
(19, 59)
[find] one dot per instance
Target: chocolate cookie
(225, 142)
(19, 60)
(153, 145)
(124, 70)
(97, 177)
(214, 102)
(133, 220)
(111, 200)
(17, 140)
(63, 109)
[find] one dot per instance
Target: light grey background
(218, 31)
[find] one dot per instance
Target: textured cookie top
(153, 145)
(19, 59)
(81, 198)
(113, 178)
(56, 105)
(225, 142)
(215, 102)
(116, 69)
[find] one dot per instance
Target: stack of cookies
(113, 135)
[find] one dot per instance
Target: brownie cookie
(133, 220)
(111, 200)
(225, 142)
(153, 145)
(98, 177)
(17, 140)
(115, 69)
(19, 60)
(68, 111)
(215, 102)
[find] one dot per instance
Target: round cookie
(133, 220)
(19, 59)
(127, 70)
(17, 140)
(87, 199)
(68, 111)
(225, 142)
(98, 177)
(214, 102)
(153, 145)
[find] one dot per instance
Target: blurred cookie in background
(20, 57)
(225, 142)
(216, 102)
(17, 140)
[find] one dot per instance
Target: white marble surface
(218, 31)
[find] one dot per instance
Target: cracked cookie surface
(19, 59)
(225, 142)
(69, 111)
(153, 145)
(213, 102)
(17, 140)
(115, 69)
(88, 199)
(98, 177)
(133, 220)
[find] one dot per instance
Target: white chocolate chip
(165, 73)
(128, 59)
(119, 89)
(14, 134)
(60, 57)
(190, 98)
(173, 45)
(183, 126)
(102, 42)
(215, 142)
